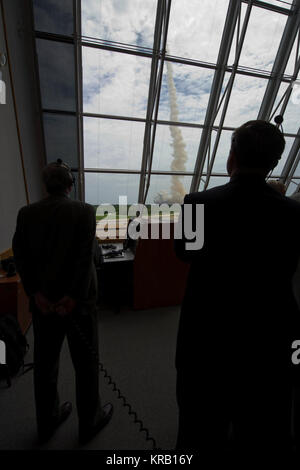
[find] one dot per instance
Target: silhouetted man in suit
(239, 317)
(53, 249)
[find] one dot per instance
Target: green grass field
(115, 214)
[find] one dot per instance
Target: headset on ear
(60, 163)
(279, 120)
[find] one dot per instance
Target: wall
(18, 22)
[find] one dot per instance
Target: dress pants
(49, 333)
(228, 413)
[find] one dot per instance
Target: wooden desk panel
(14, 301)
(159, 276)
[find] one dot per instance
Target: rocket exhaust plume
(179, 152)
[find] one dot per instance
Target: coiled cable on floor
(26, 367)
(115, 388)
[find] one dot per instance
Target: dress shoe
(87, 435)
(64, 413)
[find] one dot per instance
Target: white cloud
(195, 28)
(115, 83)
(262, 39)
(245, 100)
(119, 20)
(112, 143)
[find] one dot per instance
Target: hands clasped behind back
(62, 307)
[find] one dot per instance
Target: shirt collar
(251, 178)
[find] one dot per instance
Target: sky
(117, 84)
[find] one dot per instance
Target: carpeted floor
(138, 350)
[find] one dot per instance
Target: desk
(152, 277)
(128, 254)
(115, 277)
(14, 301)
(159, 276)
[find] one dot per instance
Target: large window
(140, 97)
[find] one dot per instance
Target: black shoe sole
(65, 413)
(108, 410)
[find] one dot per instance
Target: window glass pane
(262, 38)
(195, 28)
(175, 148)
(288, 145)
(231, 58)
(115, 83)
(201, 185)
(184, 93)
(281, 91)
(105, 188)
(297, 171)
(279, 3)
(109, 143)
(289, 70)
(291, 121)
(127, 21)
(291, 115)
(222, 151)
(60, 132)
(246, 97)
(57, 74)
(292, 187)
(54, 16)
(168, 188)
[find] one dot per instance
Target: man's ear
(274, 164)
(231, 162)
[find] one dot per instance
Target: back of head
(57, 177)
(257, 145)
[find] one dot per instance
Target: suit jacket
(53, 249)
(238, 304)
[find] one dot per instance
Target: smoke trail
(179, 153)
